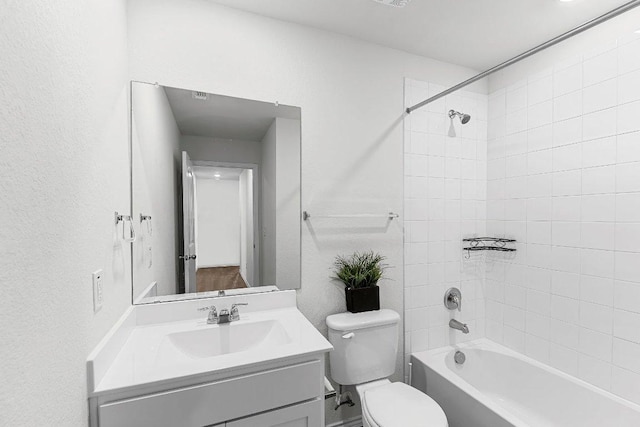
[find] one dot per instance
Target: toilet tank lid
(368, 319)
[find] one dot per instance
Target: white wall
(156, 180)
(63, 125)
(268, 199)
(351, 95)
(64, 171)
(564, 180)
(287, 203)
(221, 150)
(247, 220)
(445, 201)
(218, 230)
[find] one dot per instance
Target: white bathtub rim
(485, 344)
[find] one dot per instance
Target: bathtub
(498, 387)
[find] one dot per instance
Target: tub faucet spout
(453, 323)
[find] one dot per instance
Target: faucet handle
(458, 301)
(213, 315)
(453, 299)
(235, 313)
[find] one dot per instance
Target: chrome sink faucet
(226, 315)
(455, 324)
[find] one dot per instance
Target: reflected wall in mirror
(215, 193)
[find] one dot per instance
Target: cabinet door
(211, 403)
(307, 414)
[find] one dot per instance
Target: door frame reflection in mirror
(256, 206)
(260, 287)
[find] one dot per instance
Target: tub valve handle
(458, 301)
(453, 299)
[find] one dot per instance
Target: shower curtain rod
(577, 30)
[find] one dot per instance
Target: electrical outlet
(97, 291)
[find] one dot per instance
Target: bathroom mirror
(215, 185)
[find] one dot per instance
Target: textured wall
(564, 180)
(63, 172)
(351, 95)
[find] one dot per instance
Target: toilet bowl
(397, 404)
(364, 355)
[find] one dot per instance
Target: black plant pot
(362, 299)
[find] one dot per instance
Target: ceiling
(225, 117)
(474, 33)
(217, 173)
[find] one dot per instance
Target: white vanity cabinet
(290, 395)
(165, 366)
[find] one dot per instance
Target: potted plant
(360, 273)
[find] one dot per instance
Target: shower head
(464, 118)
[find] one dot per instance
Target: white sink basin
(216, 340)
(164, 343)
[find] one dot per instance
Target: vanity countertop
(141, 351)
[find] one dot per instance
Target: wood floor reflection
(219, 278)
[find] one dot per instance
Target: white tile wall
(445, 200)
(569, 192)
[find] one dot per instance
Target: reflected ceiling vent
(394, 3)
(199, 95)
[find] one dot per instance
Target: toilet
(364, 355)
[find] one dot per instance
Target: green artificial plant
(360, 270)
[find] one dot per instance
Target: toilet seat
(400, 405)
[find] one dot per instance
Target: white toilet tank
(365, 345)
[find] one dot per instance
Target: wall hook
(126, 218)
(147, 218)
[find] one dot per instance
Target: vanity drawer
(220, 401)
(307, 414)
